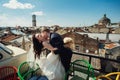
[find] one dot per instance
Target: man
(57, 41)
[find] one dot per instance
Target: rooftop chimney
(107, 38)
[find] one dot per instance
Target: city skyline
(63, 12)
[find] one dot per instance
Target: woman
(51, 65)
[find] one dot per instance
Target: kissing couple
(49, 51)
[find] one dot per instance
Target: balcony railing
(104, 62)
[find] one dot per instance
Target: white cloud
(49, 21)
(39, 13)
(3, 17)
(14, 4)
(5, 20)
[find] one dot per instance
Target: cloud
(14, 4)
(3, 17)
(5, 20)
(49, 21)
(39, 13)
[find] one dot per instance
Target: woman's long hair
(37, 46)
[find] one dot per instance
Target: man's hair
(45, 29)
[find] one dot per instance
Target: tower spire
(105, 15)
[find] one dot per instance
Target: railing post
(89, 68)
(90, 59)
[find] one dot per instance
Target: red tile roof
(9, 37)
(110, 46)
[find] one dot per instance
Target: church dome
(104, 20)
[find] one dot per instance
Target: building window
(77, 48)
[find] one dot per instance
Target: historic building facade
(83, 43)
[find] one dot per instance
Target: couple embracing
(50, 53)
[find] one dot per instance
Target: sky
(68, 13)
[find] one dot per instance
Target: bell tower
(34, 20)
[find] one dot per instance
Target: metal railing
(90, 56)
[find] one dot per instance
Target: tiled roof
(111, 45)
(79, 30)
(9, 37)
